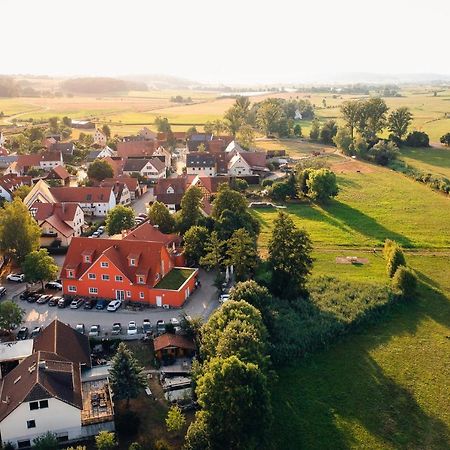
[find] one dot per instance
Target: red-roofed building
(9, 183)
(131, 182)
(143, 148)
(60, 175)
(44, 161)
(170, 345)
(59, 222)
(129, 269)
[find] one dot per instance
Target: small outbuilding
(171, 346)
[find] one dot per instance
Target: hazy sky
(224, 41)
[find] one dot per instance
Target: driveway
(140, 205)
(200, 304)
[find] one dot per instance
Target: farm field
(371, 207)
(383, 388)
(434, 160)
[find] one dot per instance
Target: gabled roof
(147, 232)
(11, 182)
(116, 163)
(117, 251)
(56, 214)
(136, 165)
(254, 159)
(135, 148)
(82, 194)
(211, 184)
(59, 172)
(131, 182)
(40, 376)
(200, 159)
(35, 159)
(63, 147)
(63, 340)
(172, 340)
(233, 146)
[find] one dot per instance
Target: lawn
(371, 207)
(434, 160)
(383, 388)
(175, 279)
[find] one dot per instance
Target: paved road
(140, 204)
(200, 304)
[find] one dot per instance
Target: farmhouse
(60, 175)
(49, 390)
(66, 149)
(151, 169)
(120, 190)
(132, 269)
(100, 154)
(201, 163)
(132, 184)
(147, 134)
(95, 201)
(43, 161)
(99, 138)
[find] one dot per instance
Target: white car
(114, 305)
(132, 328)
(94, 331)
(224, 297)
(17, 277)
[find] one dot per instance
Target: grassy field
(371, 207)
(432, 160)
(384, 388)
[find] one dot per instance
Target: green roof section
(175, 279)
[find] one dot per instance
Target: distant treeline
(9, 87)
(96, 85)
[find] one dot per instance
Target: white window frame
(119, 278)
(132, 262)
(105, 277)
(87, 258)
(93, 290)
(72, 288)
(141, 295)
(104, 264)
(92, 276)
(140, 279)
(128, 294)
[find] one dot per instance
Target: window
(141, 295)
(104, 264)
(87, 259)
(43, 404)
(132, 262)
(140, 280)
(128, 294)
(92, 276)
(34, 405)
(23, 444)
(31, 424)
(105, 277)
(119, 278)
(70, 274)
(93, 290)
(72, 288)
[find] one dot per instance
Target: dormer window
(87, 258)
(132, 262)
(140, 279)
(70, 274)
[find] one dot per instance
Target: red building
(142, 266)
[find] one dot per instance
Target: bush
(418, 139)
(396, 259)
(127, 423)
(405, 281)
(267, 183)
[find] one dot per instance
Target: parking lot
(200, 304)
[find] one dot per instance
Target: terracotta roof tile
(172, 340)
(82, 194)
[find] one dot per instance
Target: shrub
(127, 423)
(405, 281)
(418, 139)
(395, 260)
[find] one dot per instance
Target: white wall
(58, 417)
(202, 171)
(240, 167)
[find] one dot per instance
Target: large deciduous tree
(99, 170)
(270, 113)
(322, 184)
(214, 253)
(194, 242)
(399, 121)
(19, 232)
(190, 212)
(159, 215)
(242, 253)
(11, 315)
(289, 258)
(118, 219)
(39, 266)
(372, 118)
(127, 378)
(350, 111)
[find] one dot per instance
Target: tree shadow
(362, 223)
(344, 386)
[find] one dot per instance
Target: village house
(59, 175)
(100, 153)
(94, 201)
(116, 162)
(59, 222)
(52, 389)
(66, 149)
(120, 190)
(171, 346)
(132, 268)
(152, 168)
(9, 183)
(201, 163)
(6, 161)
(132, 183)
(43, 161)
(143, 149)
(99, 138)
(147, 134)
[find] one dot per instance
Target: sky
(227, 42)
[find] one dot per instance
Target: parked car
(160, 326)
(54, 301)
(43, 299)
(17, 277)
(22, 334)
(101, 304)
(63, 302)
(80, 328)
(146, 326)
(224, 297)
(76, 303)
(25, 294)
(2, 291)
(54, 285)
(90, 303)
(116, 329)
(143, 215)
(132, 328)
(96, 234)
(114, 305)
(35, 332)
(33, 297)
(94, 331)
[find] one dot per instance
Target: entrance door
(120, 295)
(158, 300)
